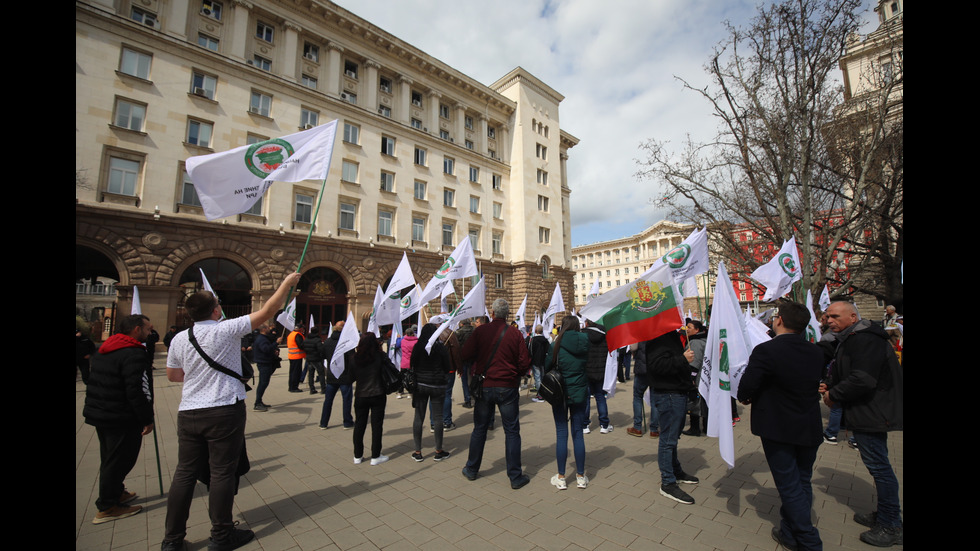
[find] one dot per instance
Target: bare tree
(783, 163)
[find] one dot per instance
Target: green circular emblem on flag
(264, 157)
(811, 335)
(444, 271)
(677, 257)
(407, 301)
(787, 264)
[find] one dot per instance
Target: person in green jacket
(568, 355)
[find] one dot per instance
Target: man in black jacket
(781, 382)
(119, 404)
(669, 371)
(866, 380)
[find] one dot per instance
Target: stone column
(433, 122)
(459, 132)
(288, 52)
(335, 68)
(371, 83)
(403, 106)
(239, 29)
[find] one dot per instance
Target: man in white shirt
(211, 415)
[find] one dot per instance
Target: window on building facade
(418, 228)
(491, 132)
(474, 236)
(447, 234)
(262, 63)
(542, 177)
(498, 209)
(203, 85)
(260, 104)
(384, 223)
(384, 84)
(308, 118)
(541, 152)
(352, 133)
(129, 115)
(388, 145)
(384, 111)
(474, 204)
(304, 208)
(349, 171)
(188, 195)
(199, 132)
(448, 165)
(123, 176)
(420, 190)
(349, 97)
(498, 181)
(135, 64)
(498, 281)
(444, 134)
(496, 243)
(468, 122)
(544, 235)
(350, 69)
(309, 82)
(416, 124)
(264, 31)
(208, 42)
(212, 9)
(444, 110)
(311, 52)
(348, 215)
(448, 197)
(469, 144)
(420, 156)
(491, 153)
(543, 203)
(387, 182)
(145, 17)
(416, 99)
(474, 174)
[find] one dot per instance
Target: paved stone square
(304, 492)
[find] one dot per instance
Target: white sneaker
(606, 429)
(357, 460)
(582, 480)
(558, 482)
(379, 460)
(586, 430)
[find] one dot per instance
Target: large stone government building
(425, 156)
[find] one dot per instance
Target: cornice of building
(660, 227)
(519, 74)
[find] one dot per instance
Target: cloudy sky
(615, 61)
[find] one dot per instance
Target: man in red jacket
(498, 352)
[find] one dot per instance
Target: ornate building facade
(425, 156)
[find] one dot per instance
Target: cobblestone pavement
(304, 492)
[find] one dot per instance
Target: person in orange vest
(294, 343)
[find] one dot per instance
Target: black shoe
(884, 536)
(691, 432)
(313, 391)
(866, 519)
(295, 390)
(418, 457)
(673, 491)
(448, 427)
(777, 535)
(468, 405)
(520, 482)
(470, 475)
(172, 545)
(232, 539)
(685, 478)
(440, 455)
(261, 407)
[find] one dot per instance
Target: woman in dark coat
(568, 355)
(430, 369)
(369, 397)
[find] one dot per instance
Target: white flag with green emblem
(231, 182)
(460, 264)
(690, 258)
(725, 357)
(824, 298)
(410, 303)
(347, 342)
(813, 328)
(473, 304)
(778, 274)
(288, 316)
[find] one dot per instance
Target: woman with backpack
(568, 355)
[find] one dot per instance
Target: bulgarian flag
(639, 311)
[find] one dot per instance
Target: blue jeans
(562, 414)
(506, 401)
(347, 393)
(792, 469)
(833, 422)
(537, 370)
(447, 405)
(624, 361)
(671, 407)
(595, 388)
(874, 452)
(640, 386)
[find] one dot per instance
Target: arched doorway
(324, 296)
(96, 277)
(229, 280)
